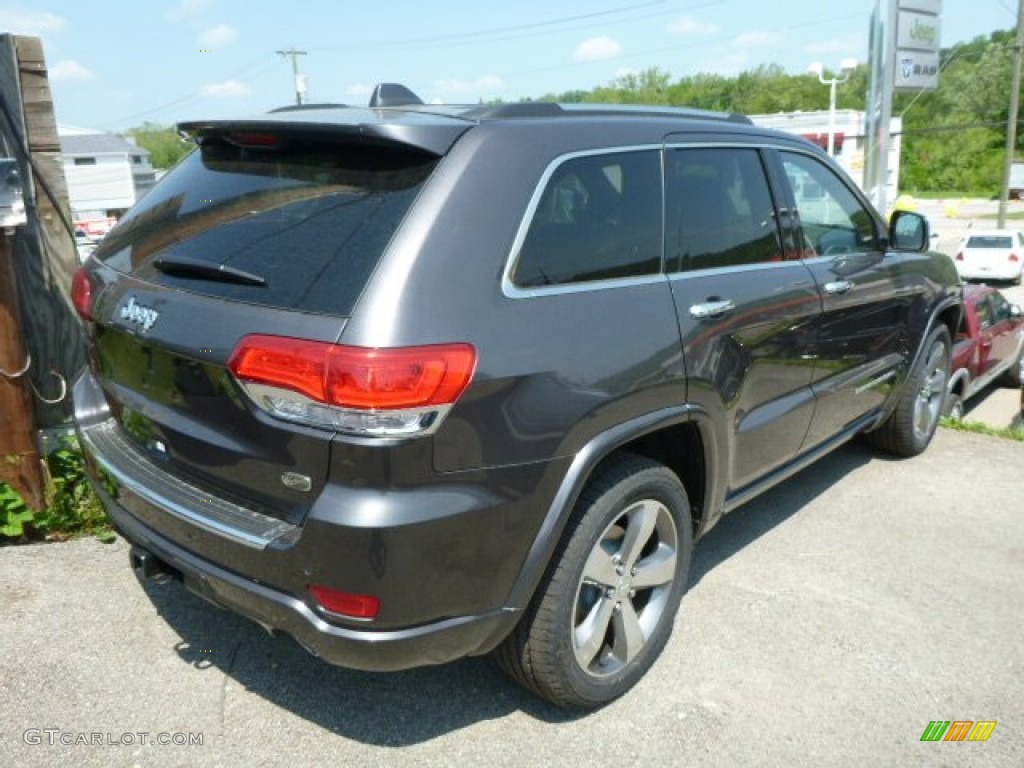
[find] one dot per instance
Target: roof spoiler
(393, 95)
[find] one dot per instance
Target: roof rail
(552, 109)
(516, 109)
(649, 110)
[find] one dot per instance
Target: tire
(605, 608)
(910, 427)
(954, 407)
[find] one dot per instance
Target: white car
(991, 254)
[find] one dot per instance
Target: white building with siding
(105, 173)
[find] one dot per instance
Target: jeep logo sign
(138, 314)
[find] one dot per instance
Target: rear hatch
(989, 253)
(264, 229)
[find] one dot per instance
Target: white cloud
(218, 36)
(598, 49)
(490, 83)
(723, 62)
(69, 69)
(835, 45)
(18, 21)
(360, 90)
(687, 25)
(188, 9)
(756, 39)
(224, 90)
(482, 87)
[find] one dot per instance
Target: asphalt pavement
(828, 623)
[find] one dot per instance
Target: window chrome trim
(513, 291)
(758, 143)
(738, 268)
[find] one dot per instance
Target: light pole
(846, 66)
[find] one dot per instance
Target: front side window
(598, 218)
(1000, 308)
(984, 312)
(832, 219)
(719, 210)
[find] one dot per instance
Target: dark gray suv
(411, 383)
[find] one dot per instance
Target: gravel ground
(827, 623)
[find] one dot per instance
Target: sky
(114, 64)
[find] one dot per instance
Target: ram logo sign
(958, 730)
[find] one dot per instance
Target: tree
(163, 143)
(952, 137)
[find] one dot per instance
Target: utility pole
(1011, 122)
(300, 79)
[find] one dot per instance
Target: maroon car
(989, 344)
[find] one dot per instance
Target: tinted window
(311, 219)
(1000, 308)
(831, 217)
(719, 209)
(984, 312)
(599, 218)
(983, 241)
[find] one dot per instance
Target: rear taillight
(81, 294)
(960, 256)
(1014, 258)
(383, 392)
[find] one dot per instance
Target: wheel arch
(673, 436)
(947, 311)
(959, 382)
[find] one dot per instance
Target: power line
(251, 66)
(482, 35)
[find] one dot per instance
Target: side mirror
(1016, 312)
(908, 231)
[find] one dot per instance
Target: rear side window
(311, 219)
(598, 218)
(719, 210)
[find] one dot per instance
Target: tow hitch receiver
(147, 566)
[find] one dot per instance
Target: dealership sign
(917, 45)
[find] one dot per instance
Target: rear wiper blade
(182, 266)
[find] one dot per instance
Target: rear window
(311, 219)
(989, 241)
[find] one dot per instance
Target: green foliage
(953, 137)
(72, 508)
(164, 144)
(13, 512)
(978, 428)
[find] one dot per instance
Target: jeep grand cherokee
(411, 383)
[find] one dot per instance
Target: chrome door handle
(712, 308)
(838, 286)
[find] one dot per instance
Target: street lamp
(846, 66)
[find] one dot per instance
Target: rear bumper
(279, 612)
(442, 559)
(1006, 273)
